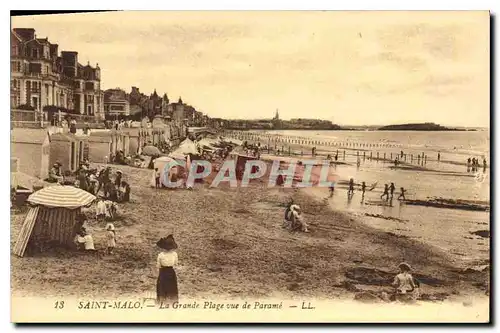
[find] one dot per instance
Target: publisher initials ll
(308, 306)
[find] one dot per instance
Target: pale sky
(356, 68)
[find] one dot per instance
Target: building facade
(41, 79)
(116, 103)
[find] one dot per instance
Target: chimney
(70, 63)
(54, 50)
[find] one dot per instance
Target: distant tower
(276, 121)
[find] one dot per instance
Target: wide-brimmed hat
(404, 266)
(167, 243)
(110, 226)
(119, 171)
(295, 208)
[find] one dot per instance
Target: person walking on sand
(404, 284)
(363, 190)
(350, 191)
(402, 194)
(166, 285)
(439, 156)
(110, 237)
(331, 189)
(386, 192)
(392, 188)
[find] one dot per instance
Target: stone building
(41, 78)
(116, 103)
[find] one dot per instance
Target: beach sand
(231, 244)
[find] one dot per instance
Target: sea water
(445, 228)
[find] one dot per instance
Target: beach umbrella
(151, 151)
(61, 196)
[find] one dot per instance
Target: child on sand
(363, 189)
(402, 195)
(404, 283)
(110, 237)
(157, 178)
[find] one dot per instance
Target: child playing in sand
(404, 283)
(110, 237)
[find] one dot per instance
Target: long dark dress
(166, 286)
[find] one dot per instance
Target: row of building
(137, 105)
(42, 78)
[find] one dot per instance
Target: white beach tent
(163, 164)
(186, 147)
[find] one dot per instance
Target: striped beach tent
(61, 196)
(52, 217)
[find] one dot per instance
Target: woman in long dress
(166, 284)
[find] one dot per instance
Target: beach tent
(52, 218)
(186, 147)
(20, 179)
(161, 163)
(151, 151)
(210, 143)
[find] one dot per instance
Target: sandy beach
(231, 244)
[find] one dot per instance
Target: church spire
(277, 115)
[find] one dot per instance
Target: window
(15, 50)
(35, 53)
(35, 68)
(89, 85)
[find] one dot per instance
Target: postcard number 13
(59, 305)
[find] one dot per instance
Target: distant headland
(420, 127)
